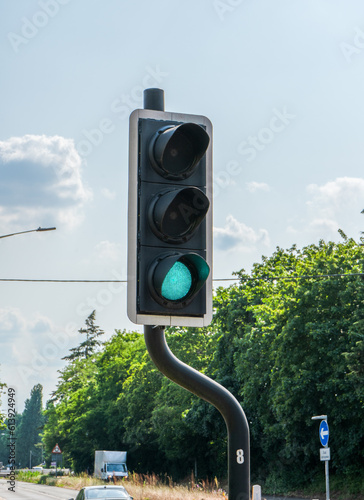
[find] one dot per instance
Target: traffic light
(170, 219)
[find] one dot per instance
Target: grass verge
(153, 487)
(139, 486)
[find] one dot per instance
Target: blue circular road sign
(324, 433)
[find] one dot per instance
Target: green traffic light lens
(176, 278)
(177, 283)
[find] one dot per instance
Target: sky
(282, 83)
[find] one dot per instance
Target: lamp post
(30, 231)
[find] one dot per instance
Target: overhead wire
(242, 279)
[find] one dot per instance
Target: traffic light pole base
(215, 394)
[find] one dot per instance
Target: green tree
(4, 438)
(68, 413)
(92, 342)
(287, 341)
(117, 399)
(294, 328)
(29, 431)
(51, 434)
(198, 433)
(89, 407)
(69, 410)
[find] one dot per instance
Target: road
(29, 491)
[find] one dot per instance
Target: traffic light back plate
(166, 175)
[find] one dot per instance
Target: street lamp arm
(46, 228)
(30, 231)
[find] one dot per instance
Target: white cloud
(11, 323)
(334, 205)
(103, 255)
(106, 261)
(236, 234)
(33, 331)
(253, 186)
(110, 195)
(108, 251)
(31, 350)
(41, 182)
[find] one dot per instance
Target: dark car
(103, 492)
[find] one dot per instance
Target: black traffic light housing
(170, 219)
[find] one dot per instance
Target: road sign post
(324, 452)
(324, 433)
(56, 456)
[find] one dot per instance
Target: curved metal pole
(218, 396)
